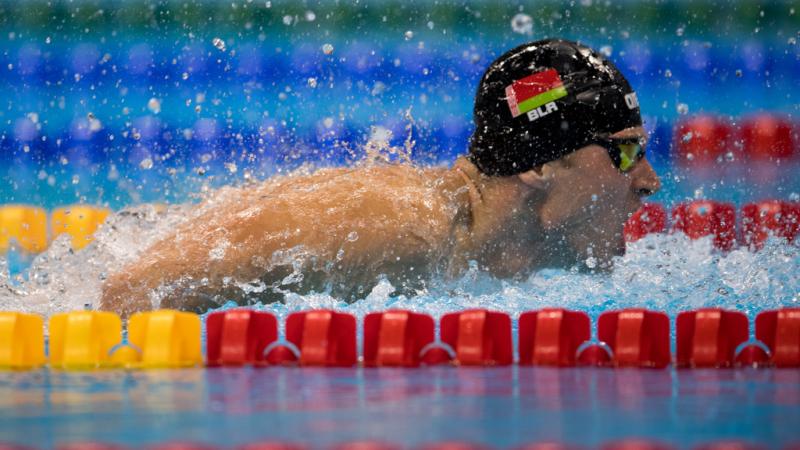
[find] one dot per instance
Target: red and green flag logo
(534, 91)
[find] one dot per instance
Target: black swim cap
(543, 100)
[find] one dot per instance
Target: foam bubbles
(666, 272)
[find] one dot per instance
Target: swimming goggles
(624, 152)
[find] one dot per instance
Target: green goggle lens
(629, 154)
(624, 153)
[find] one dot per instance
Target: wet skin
(339, 230)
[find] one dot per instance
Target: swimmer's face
(588, 199)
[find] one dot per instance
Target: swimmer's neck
(504, 234)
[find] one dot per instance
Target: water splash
(666, 272)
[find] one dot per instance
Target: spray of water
(666, 272)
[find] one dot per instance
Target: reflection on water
(500, 406)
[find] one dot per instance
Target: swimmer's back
(340, 228)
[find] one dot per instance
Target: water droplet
(680, 31)
(352, 236)
(185, 76)
(682, 108)
(146, 164)
(378, 88)
(739, 73)
(730, 157)
(522, 24)
(606, 51)
(667, 73)
(95, 125)
(409, 35)
(219, 44)
(154, 105)
(310, 16)
(327, 49)
(591, 262)
(287, 20)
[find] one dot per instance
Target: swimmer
(556, 165)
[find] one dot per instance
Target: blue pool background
(247, 91)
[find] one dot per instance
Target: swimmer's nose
(645, 180)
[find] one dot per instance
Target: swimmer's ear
(539, 177)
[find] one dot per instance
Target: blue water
(501, 407)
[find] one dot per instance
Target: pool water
(499, 407)
(107, 109)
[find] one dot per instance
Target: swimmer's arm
(322, 226)
(188, 266)
(132, 289)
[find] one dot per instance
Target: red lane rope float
(705, 217)
(396, 338)
(709, 337)
(702, 141)
(551, 337)
(769, 216)
(239, 336)
(768, 137)
(637, 337)
(479, 337)
(701, 218)
(650, 218)
(324, 338)
(780, 331)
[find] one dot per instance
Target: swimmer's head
(546, 99)
(561, 122)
